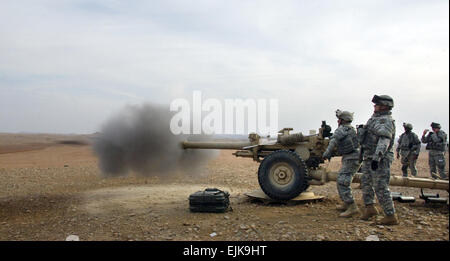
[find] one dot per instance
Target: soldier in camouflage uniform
(346, 142)
(408, 148)
(436, 142)
(377, 142)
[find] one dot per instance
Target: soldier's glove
(374, 165)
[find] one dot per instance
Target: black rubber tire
(297, 185)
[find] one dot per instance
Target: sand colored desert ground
(51, 187)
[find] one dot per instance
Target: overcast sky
(66, 66)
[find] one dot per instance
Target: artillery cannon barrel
(324, 176)
(215, 145)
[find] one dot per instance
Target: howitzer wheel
(282, 175)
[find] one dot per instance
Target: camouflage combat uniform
(409, 149)
(436, 143)
(346, 142)
(377, 141)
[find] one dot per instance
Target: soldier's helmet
(383, 100)
(407, 126)
(344, 115)
(435, 125)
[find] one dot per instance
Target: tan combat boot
(369, 211)
(342, 207)
(351, 210)
(388, 220)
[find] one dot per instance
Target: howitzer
(292, 162)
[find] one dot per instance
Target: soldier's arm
(382, 147)
(331, 145)
(424, 139)
(416, 145)
(399, 142)
(337, 135)
(385, 133)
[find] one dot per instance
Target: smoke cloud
(139, 139)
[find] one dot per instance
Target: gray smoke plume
(139, 139)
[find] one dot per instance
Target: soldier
(408, 148)
(346, 142)
(436, 142)
(377, 142)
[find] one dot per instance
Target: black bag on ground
(209, 200)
